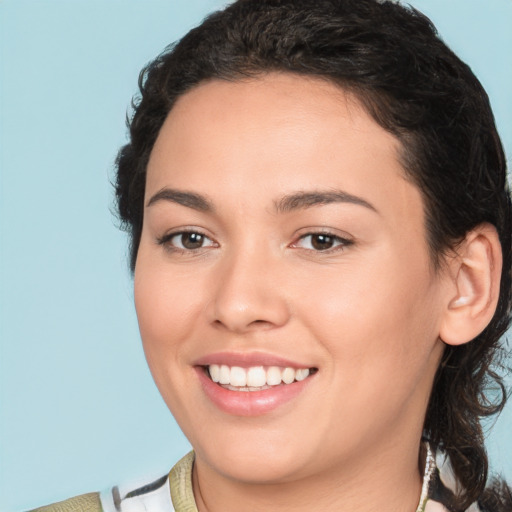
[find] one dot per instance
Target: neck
(386, 481)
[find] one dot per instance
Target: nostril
(260, 323)
(253, 325)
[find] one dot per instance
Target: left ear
(476, 272)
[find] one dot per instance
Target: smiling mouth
(255, 378)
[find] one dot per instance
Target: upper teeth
(255, 376)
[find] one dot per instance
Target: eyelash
(340, 242)
(166, 241)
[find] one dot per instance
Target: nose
(248, 296)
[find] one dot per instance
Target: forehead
(278, 102)
(273, 135)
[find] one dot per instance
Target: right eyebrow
(308, 199)
(184, 198)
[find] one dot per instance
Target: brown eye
(322, 242)
(191, 240)
(186, 241)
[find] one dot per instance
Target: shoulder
(168, 493)
(84, 503)
(153, 495)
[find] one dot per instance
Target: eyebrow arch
(188, 199)
(303, 200)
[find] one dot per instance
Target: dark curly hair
(414, 86)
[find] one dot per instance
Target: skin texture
(366, 313)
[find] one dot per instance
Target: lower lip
(249, 403)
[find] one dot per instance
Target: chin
(256, 459)
(256, 468)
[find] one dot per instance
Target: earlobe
(476, 273)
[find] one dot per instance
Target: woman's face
(282, 243)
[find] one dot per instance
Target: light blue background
(79, 411)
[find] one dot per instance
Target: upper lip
(248, 359)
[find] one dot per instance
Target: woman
(321, 243)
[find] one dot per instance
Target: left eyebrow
(303, 200)
(183, 197)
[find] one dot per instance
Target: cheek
(166, 310)
(379, 335)
(376, 317)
